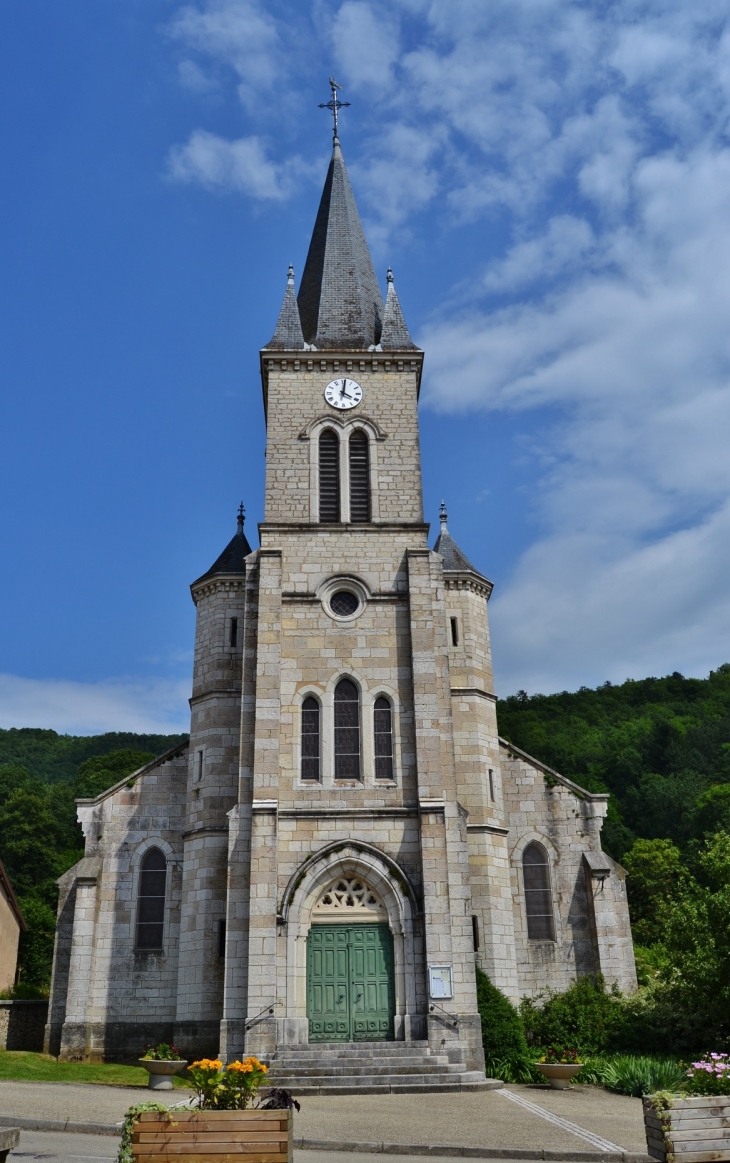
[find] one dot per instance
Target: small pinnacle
(442, 515)
(290, 274)
(241, 516)
(389, 275)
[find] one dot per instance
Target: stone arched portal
(304, 905)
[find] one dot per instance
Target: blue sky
(550, 182)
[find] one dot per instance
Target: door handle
(340, 998)
(358, 998)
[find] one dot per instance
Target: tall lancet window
(538, 896)
(310, 738)
(347, 730)
(359, 476)
(151, 899)
(329, 476)
(383, 723)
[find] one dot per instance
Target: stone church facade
(345, 835)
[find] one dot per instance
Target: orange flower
(208, 1064)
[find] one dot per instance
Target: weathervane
(335, 104)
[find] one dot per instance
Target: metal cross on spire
(334, 104)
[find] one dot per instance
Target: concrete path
(35, 1147)
(488, 1122)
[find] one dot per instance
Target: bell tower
(347, 770)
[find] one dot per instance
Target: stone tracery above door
(348, 899)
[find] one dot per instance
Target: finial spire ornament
(442, 516)
(290, 275)
(334, 105)
(241, 517)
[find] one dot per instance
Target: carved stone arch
(381, 873)
(329, 419)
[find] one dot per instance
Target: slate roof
(340, 303)
(288, 335)
(231, 559)
(454, 558)
(395, 335)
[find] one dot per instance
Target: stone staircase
(370, 1068)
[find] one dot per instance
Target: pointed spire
(231, 559)
(395, 335)
(340, 303)
(454, 558)
(288, 335)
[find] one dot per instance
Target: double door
(350, 985)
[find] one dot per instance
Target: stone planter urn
(162, 1071)
(688, 1130)
(256, 1136)
(559, 1074)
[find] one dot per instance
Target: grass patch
(22, 1066)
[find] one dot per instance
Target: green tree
(99, 772)
(503, 1035)
(656, 876)
(711, 812)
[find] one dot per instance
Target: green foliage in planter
(638, 1076)
(505, 1048)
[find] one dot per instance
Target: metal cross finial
(241, 515)
(335, 104)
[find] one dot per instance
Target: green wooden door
(350, 994)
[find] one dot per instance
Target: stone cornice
(465, 691)
(222, 582)
(371, 527)
(467, 580)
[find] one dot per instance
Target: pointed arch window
(329, 476)
(383, 730)
(311, 738)
(347, 730)
(538, 895)
(151, 899)
(359, 476)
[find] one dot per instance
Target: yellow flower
(240, 1067)
(207, 1064)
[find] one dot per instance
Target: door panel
(350, 989)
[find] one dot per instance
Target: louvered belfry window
(347, 730)
(359, 477)
(538, 896)
(151, 899)
(310, 738)
(329, 476)
(383, 717)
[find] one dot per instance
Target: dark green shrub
(503, 1035)
(587, 1017)
(637, 1076)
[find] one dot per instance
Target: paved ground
(486, 1119)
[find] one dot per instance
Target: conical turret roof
(340, 303)
(288, 335)
(395, 335)
(455, 560)
(231, 559)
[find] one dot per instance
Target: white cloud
(365, 39)
(238, 33)
(193, 78)
(154, 706)
(241, 165)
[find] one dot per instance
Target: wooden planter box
(252, 1136)
(694, 1130)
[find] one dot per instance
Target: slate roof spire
(340, 302)
(288, 335)
(395, 335)
(454, 559)
(231, 559)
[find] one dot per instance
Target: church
(314, 876)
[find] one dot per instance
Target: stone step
(391, 1084)
(289, 1061)
(379, 1048)
(319, 1070)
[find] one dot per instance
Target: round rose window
(344, 604)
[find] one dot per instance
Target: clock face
(343, 393)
